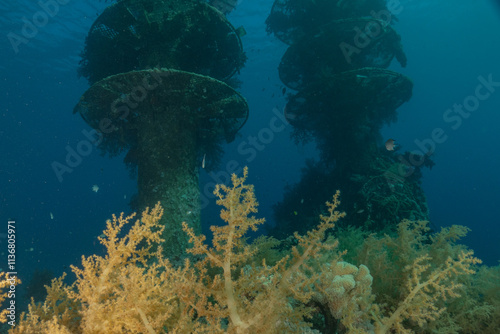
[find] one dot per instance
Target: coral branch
(424, 293)
(264, 287)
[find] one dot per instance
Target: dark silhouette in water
(336, 60)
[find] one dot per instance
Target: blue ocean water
(452, 47)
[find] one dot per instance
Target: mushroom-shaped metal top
(376, 90)
(345, 112)
(342, 45)
(293, 20)
(165, 117)
(180, 34)
(121, 104)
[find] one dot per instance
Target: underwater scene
(250, 166)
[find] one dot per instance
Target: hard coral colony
(412, 282)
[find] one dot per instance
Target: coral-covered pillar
(167, 173)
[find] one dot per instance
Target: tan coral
(226, 289)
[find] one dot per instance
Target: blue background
(449, 44)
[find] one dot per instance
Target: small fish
(361, 76)
(390, 144)
(51, 216)
(203, 161)
(95, 188)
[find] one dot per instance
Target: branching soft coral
(221, 289)
(111, 289)
(5, 283)
(416, 275)
(425, 291)
(258, 299)
(478, 309)
(123, 290)
(58, 314)
(232, 288)
(118, 293)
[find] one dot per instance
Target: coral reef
(405, 283)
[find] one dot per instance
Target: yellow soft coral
(227, 289)
(124, 290)
(221, 289)
(57, 315)
(257, 299)
(425, 290)
(416, 275)
(117, 293)
(6, 282)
